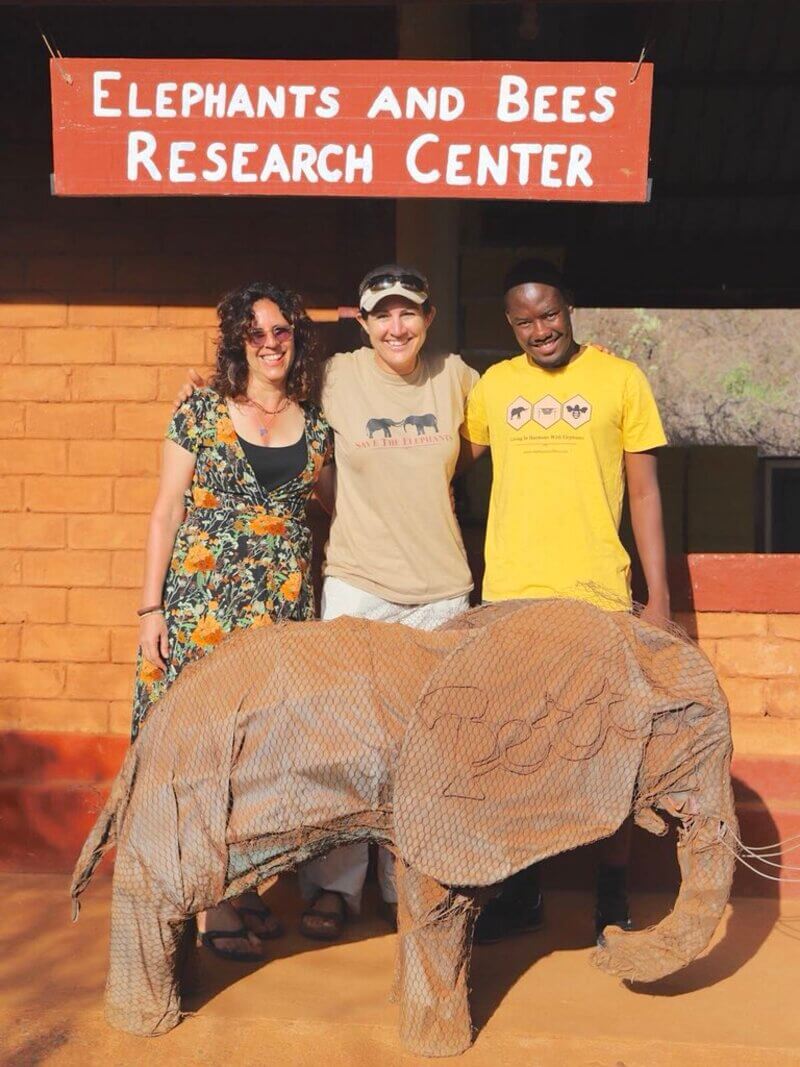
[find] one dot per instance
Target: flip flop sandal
(264, 914)
(334, 921)
(210, 937)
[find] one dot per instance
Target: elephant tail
(103, 834)
(706, 863)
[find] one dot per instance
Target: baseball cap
(392, 279)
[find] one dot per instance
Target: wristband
(149, 611)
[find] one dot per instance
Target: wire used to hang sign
(55, 55)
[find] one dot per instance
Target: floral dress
(242, 555)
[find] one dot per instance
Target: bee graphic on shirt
(576, 410)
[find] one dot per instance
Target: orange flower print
(198, 558)
(261, 620)
(267, 524)
(225, 431)
(148, 672)
(204, 498)
(291, 587)
(208, 632)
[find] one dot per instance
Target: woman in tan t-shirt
(395, 551)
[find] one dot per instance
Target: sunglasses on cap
(415, 282)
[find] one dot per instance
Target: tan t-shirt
(393, 531)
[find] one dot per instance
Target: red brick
(32, 679)
(110, 681)
(787, 626)
(124, 643)
(16, 310)
(114, 383)
(160, 346)
(119, 716)
(181, 316)
(10, 635)
(69, 420)
(113, 457)
(76, 644)
(12, 420)
(67, 568)
(756, 658)
(20, 530)
(122, 310)
(69, 346)
(135, 494)
(34, 457)
(10, 494)
(171, 379)
(70, 272)
(68, 494)
(34, 383)
(733, 624)
(127, 569)
(141, 421)
(10, 346)
(19, 603)
(78, 716)
(11, 567)
(102, 607)
(746, 696)
(783, 699)
(106, 531)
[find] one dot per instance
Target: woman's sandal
(323, 925)
(209, 939)
(267, 926)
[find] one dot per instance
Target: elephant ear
(526, 742)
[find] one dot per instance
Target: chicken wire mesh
(512, 733)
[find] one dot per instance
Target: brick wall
(757, 659)
(84, 400)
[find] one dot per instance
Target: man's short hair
(537, 272)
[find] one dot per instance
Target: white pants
(344, 870)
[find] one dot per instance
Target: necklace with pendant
(266, 414)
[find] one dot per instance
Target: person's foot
(504, 917)
(221, 931)
(324, 919)
(612, 907)
(257, 917)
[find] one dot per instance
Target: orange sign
(522, 131)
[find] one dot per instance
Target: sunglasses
(415, 282)
(258, 337)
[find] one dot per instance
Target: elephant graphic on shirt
(421, 422)
(374, 425)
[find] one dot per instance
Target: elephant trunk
(706, 865)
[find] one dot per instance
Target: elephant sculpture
(517, 731)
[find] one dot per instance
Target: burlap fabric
(515, 732)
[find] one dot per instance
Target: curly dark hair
(235, 314)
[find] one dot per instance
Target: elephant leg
(142, 990)
(435, 928)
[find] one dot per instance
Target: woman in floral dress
(228, 545)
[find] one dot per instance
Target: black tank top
(276, 466)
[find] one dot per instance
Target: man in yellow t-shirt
(568, 426)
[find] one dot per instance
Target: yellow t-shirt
(557, 439)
